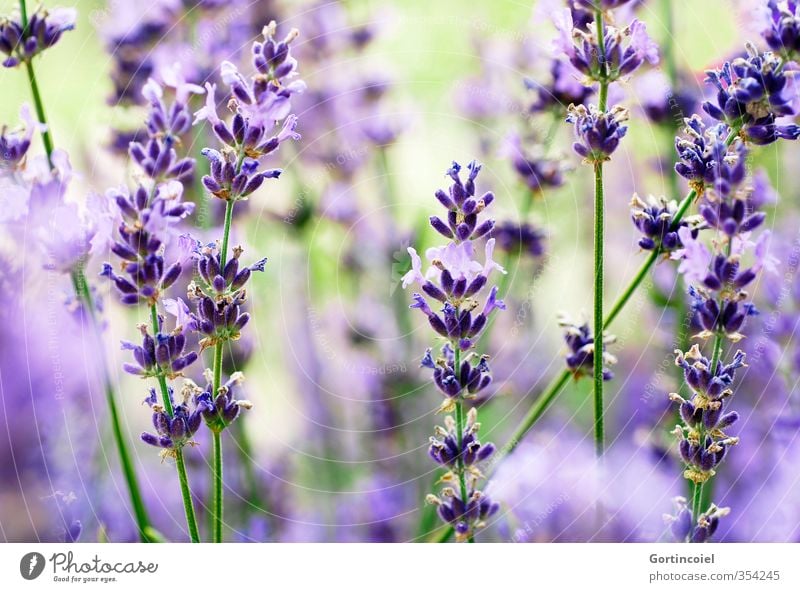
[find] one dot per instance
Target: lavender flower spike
(173, 431)
(455, 282)
(257, 104)
(45, 27)
(598, 133)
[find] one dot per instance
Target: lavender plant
(603, 56)
(457, 281)
(699, 159)
(258, 104)
(750, 102)
(22, 38)
(147, 219)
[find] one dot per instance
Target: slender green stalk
(460, 436)
(37, 96)
(137, 502)
(543, 401)
(186, 492)
(217, 508)
(697, 501)
(39, 106)
(226, 234)
(599, 222)
(602, 99)
(599, 264)
(217, 497)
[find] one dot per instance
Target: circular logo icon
(31, 565)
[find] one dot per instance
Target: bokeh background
(339, 433)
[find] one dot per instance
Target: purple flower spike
(456, 281)
(580, 358)
(750, 93)
(598, 134)
(176, 430)
(44, 30)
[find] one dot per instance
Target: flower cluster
(654, 219)
(463, 207)
(146, 217)
(221, 409)
(598, 133)
(453, 382)
(750, 99)
(219, 295)
(685, 530)
(14, 144)
(782, 32)
(256, 103)
(162, 354)
(625, 50)
(158, 158)
(750, 95)
(524, 238)
(148, 214)
(446, 447)
(702, 438)
(21, 41)
(461, 456)
(456, 281)
(706, 158)
(717, 280)
(580, 354)
(176, 429)
(533, 168)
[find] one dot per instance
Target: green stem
(697, 501)
(602, 101)
(599, 264)
(39, 106)
(597, 370)
(226, 233)
(47, 139)
(137, 502)
(460, 436)
(186, 492)
(217, 503)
